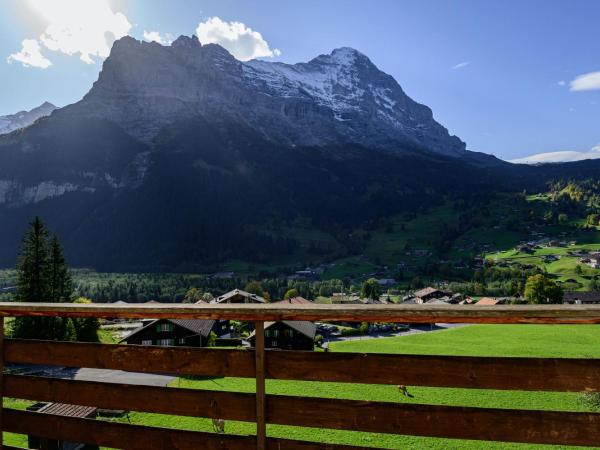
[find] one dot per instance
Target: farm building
(175, 332)
(289, 335)
(582, 298)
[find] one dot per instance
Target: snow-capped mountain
(337, 98)
(23, 119)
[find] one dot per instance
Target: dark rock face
(333, 99)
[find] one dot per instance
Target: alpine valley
(181, 157)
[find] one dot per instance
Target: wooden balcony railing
(532, 374)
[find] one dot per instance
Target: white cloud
(461, 65)
(586, 82)
(155, 36)
(30, 55)
(558, 157)
(241, 41)
(85, 28)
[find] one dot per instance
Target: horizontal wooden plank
(132, 358)
(352, 313)
(537, 374)
(288, 444)
(153, 399)
(118, 435)
(530, 374)
(505, 425)
(136, 437)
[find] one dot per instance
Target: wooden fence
(489, 424)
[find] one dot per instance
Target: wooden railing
(530, 374)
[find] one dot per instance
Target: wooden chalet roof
(294, 301)
(202, 327)
(238, 293)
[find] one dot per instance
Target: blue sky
(497, 74)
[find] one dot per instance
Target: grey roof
(252, 298)
(308, 329)
(196, 326)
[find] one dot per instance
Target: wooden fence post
(259, 354)
(1, 380)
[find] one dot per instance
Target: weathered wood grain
(153, 399)
(539, 427)
(352, 313)
(529, 374)
(133, 358)
(119, 435)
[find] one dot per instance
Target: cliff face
(333, 99)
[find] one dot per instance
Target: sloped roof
(426, 291)
(196, 326)
(489, 301)
(304, 327)
(294, 301)
(253, 298)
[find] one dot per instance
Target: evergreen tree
(60, 284)
(42, 276)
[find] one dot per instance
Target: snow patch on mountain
(23, 119)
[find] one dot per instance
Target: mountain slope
(23, 119)
(180, 156)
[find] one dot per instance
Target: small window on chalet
(288, 333)
(275, 333)
(273, 343)
(267, 333)
(182, 341)
(166, 342)
(147, 342)
(162, 327)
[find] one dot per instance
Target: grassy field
(488, 340)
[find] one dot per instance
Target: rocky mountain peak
(24, 119)
(336, 98)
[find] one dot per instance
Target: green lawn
(478, 340)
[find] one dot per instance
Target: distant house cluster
(289, 335)
(431, 295)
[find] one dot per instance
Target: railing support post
(259, 355)
(1, 380)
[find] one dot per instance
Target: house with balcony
(288, 335)
(178, 332)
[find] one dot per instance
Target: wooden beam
(528, 374)
(259, 354)
(487, 424)
(2, 394)
(133, 358)
(353, 313)
(535, 374)
(118, 435)
(128, 397)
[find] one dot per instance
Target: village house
(178, 332)
(294, 301)
(491, 301)
(239, 296)
(582, 298)
(288, 335)
(429, 293)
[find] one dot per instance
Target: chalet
(178, 332)
(491, 301)
(294, 301)
(239, 296)
(582, 298)
(63, 410)
(288, 335)
(428, 293)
